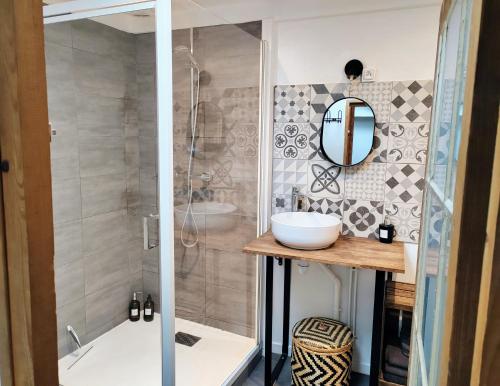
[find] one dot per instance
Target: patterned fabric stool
(321, 353)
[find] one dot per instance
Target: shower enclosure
(105, 93)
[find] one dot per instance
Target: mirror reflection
(348, 129)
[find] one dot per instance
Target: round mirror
(347, 132)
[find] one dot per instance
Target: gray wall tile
(92, 85)
(132, 153)
(109, 307)
(133, 192)
(100, 116)
(151, 286)
(103, 76)
(66, 200)
(146, 50)
(148, 186)
(72, 314)
(101, 156)
(104, 40)
(235, 328)
(64, 168)
(69, 282)
(58, 33)
(103, 194)
(148, 152)
(231, 269)
(101, 231)
(64, 145)
(106, 268)
(230, 305)
(68, 242)
(135, 248)
(60, 87)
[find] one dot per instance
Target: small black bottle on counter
(149, 309)
(386, 231)
(134, 309)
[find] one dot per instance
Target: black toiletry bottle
(149, 309)
(386, 231)
(134, 309)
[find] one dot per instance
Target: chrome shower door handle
(145, 230)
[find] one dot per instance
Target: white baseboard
(277, 348)
(361, 367)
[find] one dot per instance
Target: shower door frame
(84, 9)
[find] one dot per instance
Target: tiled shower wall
(148, 168)
(92, 91)
(215, 282)
(391, 180)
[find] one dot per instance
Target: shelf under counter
(354, 252)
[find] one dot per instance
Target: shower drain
(186, 339)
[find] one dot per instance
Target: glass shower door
(440, 181)
(216, 137)
(106, 130)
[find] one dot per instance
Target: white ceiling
(198, 13)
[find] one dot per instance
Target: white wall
(401, 45)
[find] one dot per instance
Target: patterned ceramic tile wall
(389, 182)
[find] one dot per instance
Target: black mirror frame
(322, 131)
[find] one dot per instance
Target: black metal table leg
(268, 343)
(286, 321)
(378, 315)
(270, 373)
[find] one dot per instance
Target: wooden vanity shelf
(357, 252)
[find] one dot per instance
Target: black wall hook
(353, 69)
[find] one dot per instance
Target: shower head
(183, 50)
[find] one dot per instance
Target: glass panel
(101, 97)
(461, 15)
(443, 106)
(216, 135)
(435, 212)
(418, 375)
(440, 299)
(436, 230)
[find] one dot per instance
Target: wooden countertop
(355, 252)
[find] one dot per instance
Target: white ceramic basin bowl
(301, 230)
(208, 215)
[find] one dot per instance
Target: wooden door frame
(486, 360)
(27, 196)
(5, 338)
(472, 193)
(349, 129)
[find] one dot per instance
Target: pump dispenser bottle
(134, 309)
(149, 309)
